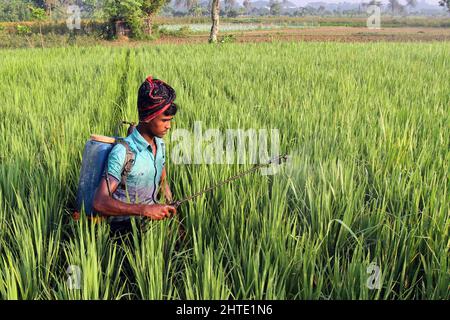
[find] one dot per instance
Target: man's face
(160, 125)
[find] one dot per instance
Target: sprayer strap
(107, 180)
(126, 169)
(128, 164)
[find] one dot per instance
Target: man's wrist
(140, 210)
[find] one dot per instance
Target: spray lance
(276, 160)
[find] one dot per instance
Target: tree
(38, 14)
(445, 3)
(375, 3)
(232, 13)
(196, 11)
(14, 10)
(215, 9)
(128, 11)
(215, 14)
(321, 10)
(189, 3)
(229, 4)
(38, 3)
(151, 8)
(93, 8)
(135, 13)
(364, 6)
(275, 7)
(24, 31)
(395, 6)
(300, 11)
(49, 5)
(410, 4)
(247, 5)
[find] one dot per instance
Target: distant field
(387, 21)
(366, 126)
(181, 35)
(227, 27)
(311, 33)
(245, 29)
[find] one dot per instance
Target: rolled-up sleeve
(116, 158)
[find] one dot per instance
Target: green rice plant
(100, 263)
(153, 261)
(204, 276)
(366, 126)
(29, 250)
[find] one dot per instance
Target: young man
(137, 198)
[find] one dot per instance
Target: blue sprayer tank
(95, 156)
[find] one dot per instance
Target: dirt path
(341, 34)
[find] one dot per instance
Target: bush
(23, 30)
(136, 25)
(184, 31)
(232, 13)
(229, 38)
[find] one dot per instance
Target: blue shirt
(144, 178)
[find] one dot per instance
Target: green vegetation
(367, 128)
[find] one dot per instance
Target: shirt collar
(140, 142)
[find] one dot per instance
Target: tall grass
(367, 129)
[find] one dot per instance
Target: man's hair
(172, 110)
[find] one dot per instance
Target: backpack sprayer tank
(95, 157)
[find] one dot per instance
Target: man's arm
(165, 187)
(108, 206)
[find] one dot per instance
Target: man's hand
(158, 211)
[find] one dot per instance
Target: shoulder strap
(127, 165)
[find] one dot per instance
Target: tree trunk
(148, 24)
(215, 21)
(42, 38)
(29, 42)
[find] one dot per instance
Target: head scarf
(154, 97)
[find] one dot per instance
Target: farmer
(138, 197)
